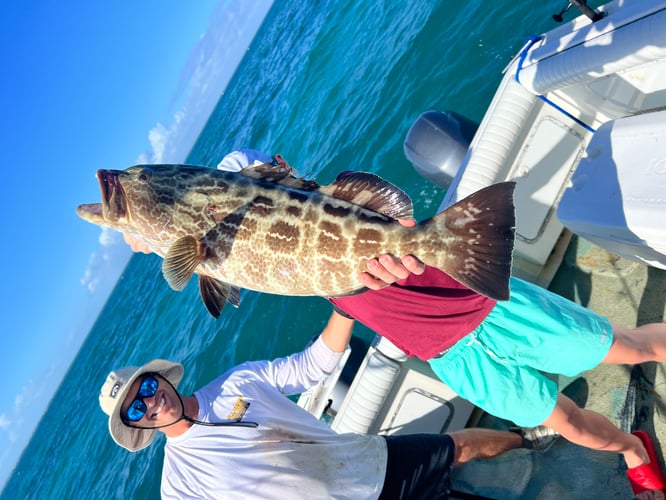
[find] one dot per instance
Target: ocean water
(331, 86)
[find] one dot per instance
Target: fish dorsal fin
(183, 257)
(278, 175)
(215, 293)
(372, 192)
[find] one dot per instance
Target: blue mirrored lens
(138, 408)
(136, 411)
(148, 387)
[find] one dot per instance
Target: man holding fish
(452, 312)
(241, 437)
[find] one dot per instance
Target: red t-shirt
(422, 315)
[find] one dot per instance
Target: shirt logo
(239, 410)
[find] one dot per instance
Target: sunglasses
(138, 408)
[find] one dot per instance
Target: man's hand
(136, 245)
(279, 159)
(387, 268)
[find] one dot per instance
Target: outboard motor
(436, 144)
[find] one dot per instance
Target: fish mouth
(113, 209)
(114, 204)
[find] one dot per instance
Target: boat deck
(632, 397)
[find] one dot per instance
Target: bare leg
(482, 443)
(593, 430)
(637, 345)
(634, 346)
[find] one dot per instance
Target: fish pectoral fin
(182, 259)
(216, 293)
(372, 192)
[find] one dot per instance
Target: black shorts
(419, 466)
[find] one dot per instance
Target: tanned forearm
(337, 333)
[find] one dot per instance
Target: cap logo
(116, 387)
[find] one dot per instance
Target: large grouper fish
(266, 230)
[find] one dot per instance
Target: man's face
(151, 402)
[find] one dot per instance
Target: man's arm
(300, 371)
(337, 332)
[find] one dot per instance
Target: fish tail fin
(482, 228)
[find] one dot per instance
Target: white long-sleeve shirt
(237, 160)
(290, 455)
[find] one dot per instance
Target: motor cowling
(437, 143)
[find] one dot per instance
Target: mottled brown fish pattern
(264, 229)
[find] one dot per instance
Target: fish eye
(145, 175)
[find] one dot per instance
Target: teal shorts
(499, 366)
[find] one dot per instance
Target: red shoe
(646, 477)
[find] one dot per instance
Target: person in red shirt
(494, 353)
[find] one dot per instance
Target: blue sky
(88, 85)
